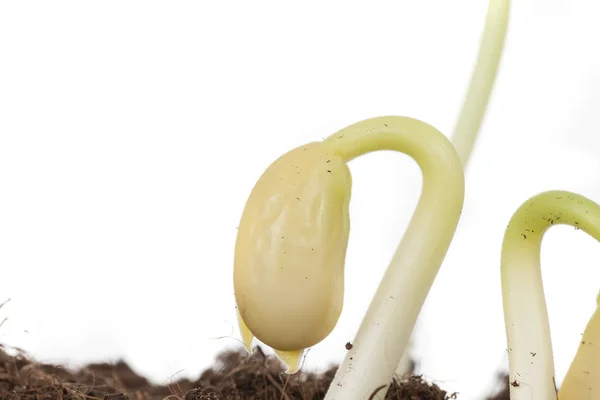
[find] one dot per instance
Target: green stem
(529, 345)
(482, 81)
(388, 323)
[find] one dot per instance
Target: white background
(132, 132)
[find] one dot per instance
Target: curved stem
(388, 323)
(482, 81)
(476, 101)
(531, 361)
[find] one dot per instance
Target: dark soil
(235, 376)
(504, 392)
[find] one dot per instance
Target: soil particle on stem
(234, 376)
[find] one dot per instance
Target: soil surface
(235, 376)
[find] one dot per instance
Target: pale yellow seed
(291, 248)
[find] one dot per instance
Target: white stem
(482, 81)
(405, 365)
(388, 323)
(478, 95)
(529, 346)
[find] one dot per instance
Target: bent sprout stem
(529, 344)
(385, 330)
(482, 81)
(292, 237)
(477, 98)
